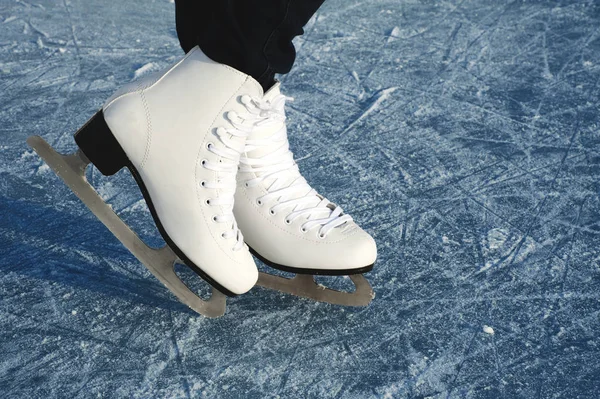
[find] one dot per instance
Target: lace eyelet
(302, 229)
(271, 211)
(245, 184)
(259, 202)
(321, 235)
(203, 162)
(207, 201)
(214, 219)
(203, 183)
(209, 146)
(223, 235)
(288, 221)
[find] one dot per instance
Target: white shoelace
(279, 172)
(227, 166)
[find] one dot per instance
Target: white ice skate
(285, 222)
(180, 133)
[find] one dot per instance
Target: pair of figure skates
(209, 151)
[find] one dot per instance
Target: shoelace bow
(280, 172)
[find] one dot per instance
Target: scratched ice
(463, 135)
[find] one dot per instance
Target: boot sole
(318, 272)
(103, 150)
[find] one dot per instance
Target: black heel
(100, 146)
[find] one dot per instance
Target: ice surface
(464, 135)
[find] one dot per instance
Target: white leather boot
(181, 133)
(286, 223)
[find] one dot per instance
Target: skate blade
(161, 262)
(304, 285)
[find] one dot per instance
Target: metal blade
(71, 169)
(304, 285)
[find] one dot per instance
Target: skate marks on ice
(161, 262)
(478, 177)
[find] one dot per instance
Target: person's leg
(252, 36)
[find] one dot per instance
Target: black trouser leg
(252, 36)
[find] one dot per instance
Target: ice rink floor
(463, 135)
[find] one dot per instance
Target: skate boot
(181, 132)
(285, 222)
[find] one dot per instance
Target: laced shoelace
(227, 165)
(278, 170)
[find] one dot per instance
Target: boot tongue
(272, 92)
(267, 128)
